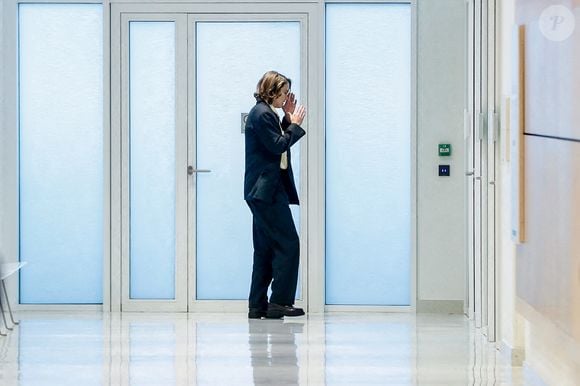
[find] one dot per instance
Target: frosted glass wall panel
(152, 160)
(368, 161)
(227, 74)
(61, 152)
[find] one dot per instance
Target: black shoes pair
(275, 311)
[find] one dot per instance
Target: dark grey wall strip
(553, 137)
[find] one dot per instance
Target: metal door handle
(469, 173)
(191, 170)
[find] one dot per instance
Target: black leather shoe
(277, 311)
(256, 313)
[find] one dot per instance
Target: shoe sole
(257, 316)
(280, 315)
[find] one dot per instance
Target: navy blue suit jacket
(265, 144)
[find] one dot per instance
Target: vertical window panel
(61, 152)
(152, 159)
(368, 154)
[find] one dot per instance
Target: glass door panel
(154, 163)
(230, 58)
(152, 159)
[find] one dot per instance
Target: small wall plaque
(243, 122)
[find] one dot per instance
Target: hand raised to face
(290, 104)
(297, 117)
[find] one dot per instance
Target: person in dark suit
(269, 189)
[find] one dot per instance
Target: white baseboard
(440, 306)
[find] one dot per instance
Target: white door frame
(121, 13)
(481, 137)
(195, 305)
(492, 162)
(180, 301)
(469, 305)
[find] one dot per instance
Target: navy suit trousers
(276, 253)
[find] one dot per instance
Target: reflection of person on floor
(273, 352)
(269, 189)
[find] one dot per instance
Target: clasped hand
(295, 114)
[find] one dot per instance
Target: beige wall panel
(528, 10)
(574, 273)
(552, 81)
(548, 263)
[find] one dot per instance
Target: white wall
(510, 329)
(441, 200)
(8, 137)
(2, 163)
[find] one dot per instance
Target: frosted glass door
(154, 159)
(230, 58)
(368, 154)
(186, 80)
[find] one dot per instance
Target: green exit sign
(444, 149)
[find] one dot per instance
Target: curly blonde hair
(270, 86)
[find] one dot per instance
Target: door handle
(469, 173)
(191, 170)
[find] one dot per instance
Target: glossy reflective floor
(226, 349)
